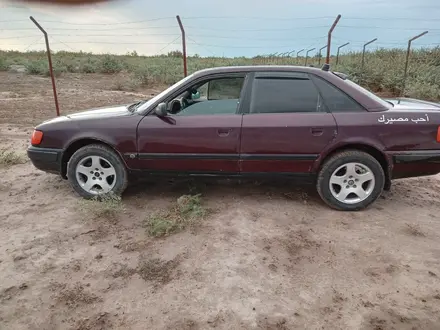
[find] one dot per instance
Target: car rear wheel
(96, 170)
(350, 180)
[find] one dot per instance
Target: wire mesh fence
(380, 68)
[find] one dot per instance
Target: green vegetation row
(382, 72)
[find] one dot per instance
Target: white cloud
(282, 25)
(88, 28)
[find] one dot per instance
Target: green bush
(90, 66)
(382, 71)
(37, 67)
(3, 65)
(110, 64)
(422, 90)
(72, 67)
(58, 68)
(145, 76)
(41, 67)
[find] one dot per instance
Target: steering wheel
(176, 106)
(185, 103)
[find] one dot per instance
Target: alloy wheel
(352, 183)
(95, 174)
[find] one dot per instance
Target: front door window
(213, 97)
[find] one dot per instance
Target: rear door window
(283, 93)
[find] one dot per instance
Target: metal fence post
(49, 58)
(320, 55)
(363, 52)
(297, 53)
(185, 68)
(274, 58)
(337, 54)
(289, 54)
(281, 57)
(408, 51)
(307, 55)
(329, 38)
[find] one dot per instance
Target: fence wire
(383, 70)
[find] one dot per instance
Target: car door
(203, 138)
(286, 125)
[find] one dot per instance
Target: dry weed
(153, 270)
(99, 321)
(76, 296)
(157, 270)
(10, 157)
(414, 230)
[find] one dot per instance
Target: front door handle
(317, 131)
(224, 131)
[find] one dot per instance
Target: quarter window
(335, 99)
(283, 94)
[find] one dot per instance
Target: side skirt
(307, 178)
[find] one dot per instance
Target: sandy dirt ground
(268, 256)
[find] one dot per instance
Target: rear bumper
(416, 163)
(424, 156)
(45, 159)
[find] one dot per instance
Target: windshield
(177, 85)
(367, 92)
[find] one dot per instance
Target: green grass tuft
(107, 206)
(186, 212)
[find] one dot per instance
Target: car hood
(92, 114)
(404, 103)
(101, 113)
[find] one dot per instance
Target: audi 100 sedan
(257, 121)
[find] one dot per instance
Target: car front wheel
(350, 180)
(96, 170)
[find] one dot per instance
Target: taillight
(37, 136)
(438, 134)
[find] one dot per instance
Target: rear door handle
(317, 131)
(224, 131)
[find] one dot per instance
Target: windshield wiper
(390, 102)
(134, 106)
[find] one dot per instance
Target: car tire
(359, 176)
(96, 170)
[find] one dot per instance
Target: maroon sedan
(259, 121)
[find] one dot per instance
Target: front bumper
(46, 159)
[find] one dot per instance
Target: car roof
(255, 68)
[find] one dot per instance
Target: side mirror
(161, 110)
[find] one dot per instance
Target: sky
(229, 28)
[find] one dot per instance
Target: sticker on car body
(386, 121)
